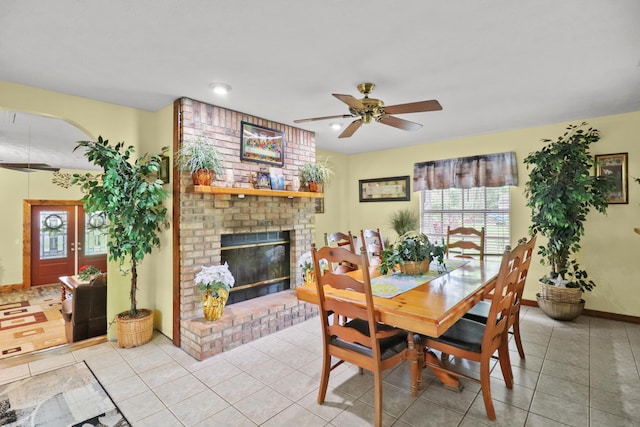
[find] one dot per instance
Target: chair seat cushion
(465, 334)
(388, 346)
(479, 312)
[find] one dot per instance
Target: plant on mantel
(201, 159)
(317, 174)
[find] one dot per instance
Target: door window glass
(53, 234)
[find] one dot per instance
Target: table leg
(448, 380)
(416, 360)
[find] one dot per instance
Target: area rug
(30, 325)
(69, 396)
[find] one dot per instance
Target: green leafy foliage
(411, 246)
(131, 197)
(404, 220)
(319, 171)
(199, 154)
(561, 191)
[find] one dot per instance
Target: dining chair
(362, 341)
(475, 341)
(463, 239)
(341, 240)
(480, 311)
(373, 245)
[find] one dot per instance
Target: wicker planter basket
(560, 310)
(415, 267)
(559, 294)
(134, 332)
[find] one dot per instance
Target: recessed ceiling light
(336, 126)
(220, 88)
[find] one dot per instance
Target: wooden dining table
(428, 309)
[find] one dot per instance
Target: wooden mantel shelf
(205, 189)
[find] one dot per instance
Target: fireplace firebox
(259, 262)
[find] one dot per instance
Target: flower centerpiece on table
(306, 263)
(86, 272)
(215, 282)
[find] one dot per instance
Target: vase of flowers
(87, 272)
(306, 263)
(215, 282)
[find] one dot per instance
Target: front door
(63, 239)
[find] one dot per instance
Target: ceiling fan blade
(399, 123)
(413, 107)
(29, 166)
(350, 101)
(340, 116)
(351, 129)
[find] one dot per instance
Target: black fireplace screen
(258, 261)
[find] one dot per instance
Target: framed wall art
(393, 189)
(163, 174)
(319, 205)
(261, 144)
(615, 166)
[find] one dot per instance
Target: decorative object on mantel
(316, 174)
(411, 254)
(215, 282)
(561, 191)
(262, 179)
(131, 197)
(230, 178)
(306, 263)
(202, 159)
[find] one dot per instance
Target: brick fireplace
(204, 219)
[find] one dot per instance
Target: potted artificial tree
(201, 159)
(316, 174)
(130, 195)
(561, 191)
(411, 254)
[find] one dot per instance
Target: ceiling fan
(368, 109)
(28, 167)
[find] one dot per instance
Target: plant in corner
(316, 174)
(561, 191)
(411, 253)
(131, 197)
(404, 220)
(201, 159)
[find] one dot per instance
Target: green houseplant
(201, 159)
(316, 174)
(131, 197)
(411, 253)
(561, 191)
(404, 220)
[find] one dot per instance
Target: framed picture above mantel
(392, 189)
(261, 144)
(614, 166)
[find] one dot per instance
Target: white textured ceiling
(494, 65)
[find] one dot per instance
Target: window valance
(490, 170)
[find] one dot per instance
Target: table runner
(390, 285)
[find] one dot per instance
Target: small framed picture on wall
(614, 166)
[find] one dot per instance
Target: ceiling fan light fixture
(220, 88)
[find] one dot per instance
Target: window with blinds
(477, 207)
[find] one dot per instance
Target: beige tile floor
(580, 373)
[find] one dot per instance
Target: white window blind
(476, 207)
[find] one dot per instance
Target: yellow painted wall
(610, 246)
(145, 130)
